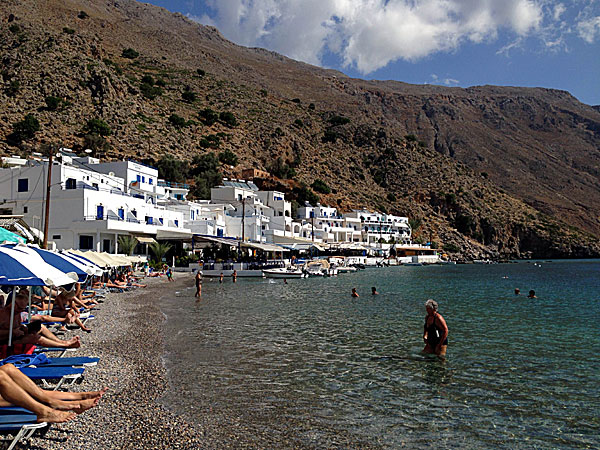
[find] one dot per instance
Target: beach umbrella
(57, 260)
(76, 258)
(9, 236)
(18, 268)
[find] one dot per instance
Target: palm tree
(159, 250)
(127, 244)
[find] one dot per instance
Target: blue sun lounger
(54, 377)
(17, 424)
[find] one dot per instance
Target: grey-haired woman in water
(435, 332)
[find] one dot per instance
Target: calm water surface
(519, 372)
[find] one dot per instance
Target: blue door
(99, 212)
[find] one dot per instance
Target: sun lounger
(61, 350)
(54, 377)
(41, 360)
(17, 424)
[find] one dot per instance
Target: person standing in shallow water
(234, 276)
(199, 283)
(354, 293)
(435, 333)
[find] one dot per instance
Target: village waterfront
(307, 365)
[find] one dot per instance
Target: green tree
(172, 169)
(53, 103)
(127, 244)
(159, 250)
(177, 121)
(305, 194)
(98, 126)
(338, 120)
(281, 170)
(149, 91)
(129, 53)
(205, 169)
(228, 118)
(228, 157)
(148, 80)
(188, 96)
(25, 129)
(320, 186)
(208, 116)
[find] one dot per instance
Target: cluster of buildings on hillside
(93, 203)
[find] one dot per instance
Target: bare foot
(84, 405)
(54, 416)
(74, 343)
(93, 394)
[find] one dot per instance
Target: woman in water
(435, 332)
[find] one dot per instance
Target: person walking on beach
(435, 331)
(169, 273)
(354, 293)
(199, 283)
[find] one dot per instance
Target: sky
(536, 43)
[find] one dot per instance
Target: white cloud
(369, 34)
(589, 29)
(559, 10)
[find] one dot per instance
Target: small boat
(317, 268)
(413, 264)
(283, 272)
(346, 269)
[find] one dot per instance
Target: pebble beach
(127, 338)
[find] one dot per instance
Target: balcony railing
(173, 184)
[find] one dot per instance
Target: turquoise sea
(519, 373)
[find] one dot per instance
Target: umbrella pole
(49, 299)
(29, 310)
(12, 316)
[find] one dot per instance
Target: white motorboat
(346, 269)
(283, 272)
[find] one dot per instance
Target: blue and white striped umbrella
(57, 260)
(18, 268)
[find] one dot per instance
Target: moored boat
(283, 272)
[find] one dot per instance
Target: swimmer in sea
(435, 333)
(517, 291)
(354, 293)
(374, 291)
(531, 294)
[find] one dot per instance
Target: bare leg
(64, 401)
(12, 393)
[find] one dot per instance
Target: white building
(91, 206)
(327, 224)
(249, 219)
(375, 226)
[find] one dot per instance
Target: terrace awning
(265, 247)
(145, 239)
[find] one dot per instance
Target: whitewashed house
(91, 206)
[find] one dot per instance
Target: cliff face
(492, 170)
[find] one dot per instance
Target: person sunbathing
(29, 334)
(16, 389)
(66, 305)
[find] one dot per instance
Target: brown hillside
(492, 170)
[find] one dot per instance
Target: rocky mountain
(490, 171)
